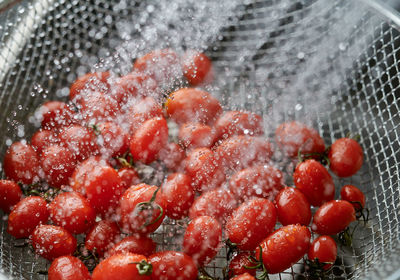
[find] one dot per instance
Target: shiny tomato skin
(353, 195)
(197, 68)
(284, 247)
(196, 135)
(102, 237)
(58, 163)
(133, 220)
(129, 177)
(51, 242)
(263, 181)
(178, 194)
(171, 265)
(120, 266)
(10, 195)
(292, 207)
(149, 139)
(232, 123)
(345, 157)
(136, 244)
(21, 163)
(26, 215)
(98, 107)
(192, 105)
(217, 203)
(114, 141)
(324, 249)
(244, 276)
(72, 211)
(88, 83)
(141, 111)
(171, 156)
(68, 268)
(237, 265)
(202, 239)
(314, 181)
(55, 114)
(132, 85)
(251, 222)
(43, 138)
(333, 217)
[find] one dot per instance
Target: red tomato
(55, 114)
(139, 217)
(132, 85)
(58, 164)
(125, 266)
(149, 139)
(238, 123)
(113, 140)
(196, 135)
(353, 195)
(218, 203)
(51, 242)
(43, 138)
(244, 276)
(129, 177)
(251, 222)
(171, 155)
(345, 157)
(258, 181)
(68, 268)
(26, 215)
(10, 194)
(80, 140)
(333, 217)
(178, 194)
(293, 137)
(170, 265)
(141, 111)
(98, 107)
(103, 235)
(21, 163)
(292, 207)
(284, 247)
(73, 212)
(99, 183)
(88, 83)
(324, 250)
(135, 244)
(314, 181)
(192, 105)
(202, 239)
(197, 68)
(238, 264)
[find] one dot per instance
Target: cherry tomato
(196, 135)
(171, 156)
(192, 105)
(314, 181)
(239, 262)
(54, 114)
(238, 123)
(26, 215)
(88, 83)
(353, 195)
(140, 214)
(125, 266)
(68, 268)
(129, 177)
(244, 276)
(136, 244)
(80, 140)
(73, 212)
(21, 163)
(10, 194)
(293, 137)
(52, 242)
(58, 164)
(218, 203)
(113, 140)
(141, 111)
(345, 157)
(292, 207)
(98, 107)
(102, 237)
(132, 85)
(171, 265)
(178, 194)
(333, 217)
(197, 68)
(149, 139)
(284, 247)
(251, 222)
(263, 181)
(202, 239)
(324, 250)
(43, 138)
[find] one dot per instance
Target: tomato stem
(232, 248)
(144, 267)
(149, 205)
(360, 212)
(346, 237)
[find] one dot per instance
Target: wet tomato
(353, 195)
(136, 244)
(54, 115)
(132, 85)
(141, 111)
(68, 268)
(292, 207)
(43, 138)
(345, 157)
(98, 107)
(88, 83)
(113, 141)
(324, 251)
(244, 276)
(239, 262)
(197, 68)
(129, 177)
(238, 123)
(171, 265)
(314, 181)
(102, 237)
(171, 156)
(196, 135)
(10, 194)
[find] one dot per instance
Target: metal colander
(330, 63)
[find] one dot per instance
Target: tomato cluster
(81, 174)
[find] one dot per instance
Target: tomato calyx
(150, 205)
(316, 268)
(96, 129)
(232, 248)
(39, 189)
(258, 264)
(362, 213)
(144, 268)
(89, 258)
(126, 160)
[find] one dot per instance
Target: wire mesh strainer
(333, 62)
